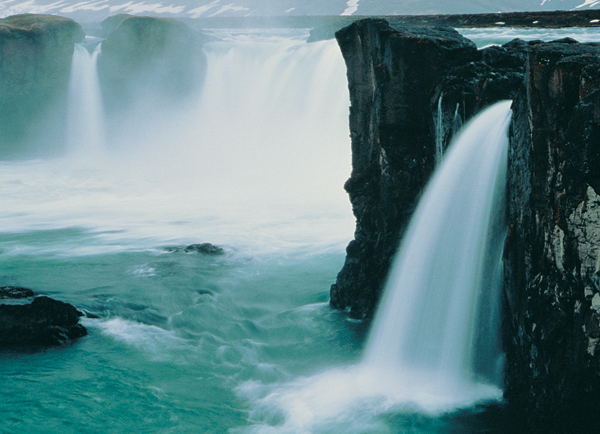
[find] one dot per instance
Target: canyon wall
(396, 77)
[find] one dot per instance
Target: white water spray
(434, 345)
(255, 159)
(429, 313)
(85, 123)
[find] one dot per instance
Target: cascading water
(434, 345)
(447, 265)
(85, 121)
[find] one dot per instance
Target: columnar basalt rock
(35, 65)
(552, 265)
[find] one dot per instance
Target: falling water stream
(85, 123)
(254, 162)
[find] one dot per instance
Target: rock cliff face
(409, 86)
(396, 77)
(552, 265)
(35, 64)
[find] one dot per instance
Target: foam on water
(429, 351)
(256, 158)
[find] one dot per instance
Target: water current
(181, 342)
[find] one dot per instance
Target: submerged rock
(35, 64)
(15, 293)
(41, 322)
(203, 248)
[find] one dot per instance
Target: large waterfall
(253, 161)
(434, 345)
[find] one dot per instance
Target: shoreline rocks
(29, 321)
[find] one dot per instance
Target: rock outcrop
(552, 252)
(28, 321)
(396, 77)
(146, 53)
(35, 65)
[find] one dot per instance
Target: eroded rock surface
(406, 85)
(552, 327)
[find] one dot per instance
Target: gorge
(226, 136)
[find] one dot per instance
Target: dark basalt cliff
(551, 305)
(35, 64)
(396, 77)
(552, 253)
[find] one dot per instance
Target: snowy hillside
(87, 10)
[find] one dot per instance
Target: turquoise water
(176, 335)
(186, 343)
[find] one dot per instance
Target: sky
(99, 9)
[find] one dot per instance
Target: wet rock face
(552, 253)
(35, 64)
(28, 321)
(396, 77)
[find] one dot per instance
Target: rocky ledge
(29, 321)
(150, 52)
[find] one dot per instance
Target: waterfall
(448, 266)
(434, 346)
(440, 132)
(85, 123)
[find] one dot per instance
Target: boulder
(29, 321)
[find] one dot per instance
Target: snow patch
(86, 6)
(587, 3)
(352, 6)
(28, 7)
(197, 12)
(230, 7)
(142, 7)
